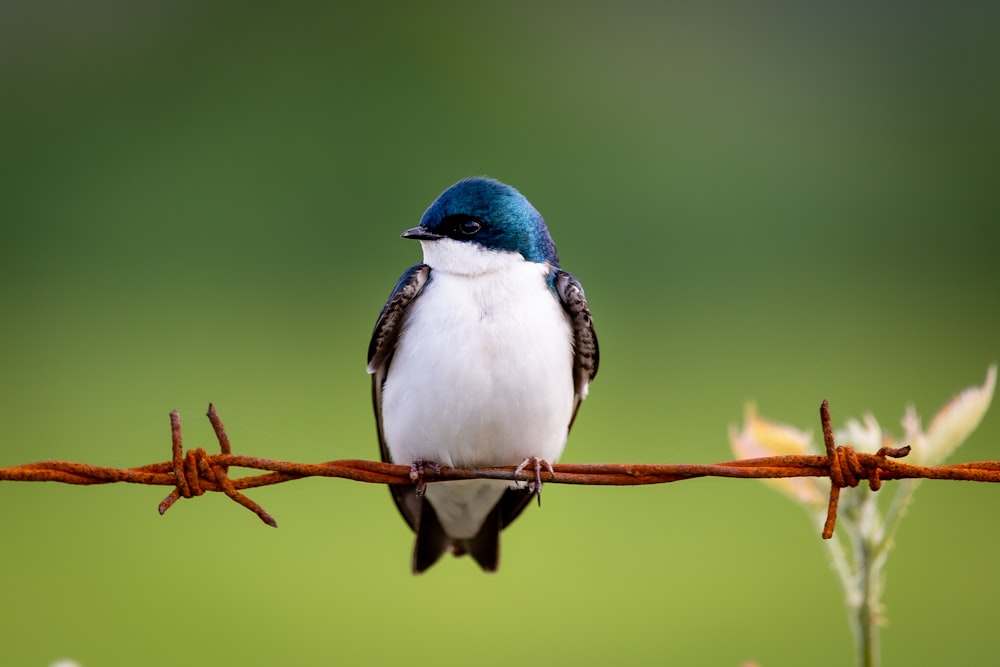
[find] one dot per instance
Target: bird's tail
(432, 541)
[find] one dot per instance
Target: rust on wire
(189, 470)
(196, 471)
(846, 468)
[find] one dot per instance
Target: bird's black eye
(460, 226)
(469, 227)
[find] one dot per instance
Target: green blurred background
(770, 201)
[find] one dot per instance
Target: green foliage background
(771, 201)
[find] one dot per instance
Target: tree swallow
(479, 358)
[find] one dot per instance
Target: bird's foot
(535, 483)
(417, 471)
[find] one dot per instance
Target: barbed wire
(194, 472)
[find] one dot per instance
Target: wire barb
(846, 468)
(191, 469)
(196, 471)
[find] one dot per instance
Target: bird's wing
(390, 320)
(585, 351)
(380, 349)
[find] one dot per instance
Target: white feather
(482, 375)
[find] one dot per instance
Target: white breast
(481, 376)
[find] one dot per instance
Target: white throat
(466, 259)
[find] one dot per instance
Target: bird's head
(479, 220)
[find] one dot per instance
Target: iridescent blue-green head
(488, 215)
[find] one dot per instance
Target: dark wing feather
(390, 320)
(585, 350)
(380, 349)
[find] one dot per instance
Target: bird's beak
(421, 234)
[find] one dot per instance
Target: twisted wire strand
(196, 472)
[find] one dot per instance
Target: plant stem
(870, 555)
(867, 613)
(863, 529)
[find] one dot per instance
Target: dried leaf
(761, 437)
(953, 423)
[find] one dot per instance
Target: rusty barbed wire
(194, 472)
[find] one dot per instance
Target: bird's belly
(463, 505)
(481, 376)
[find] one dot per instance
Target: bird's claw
(535, 483)
(417, 471)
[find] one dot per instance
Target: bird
(480, 357)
